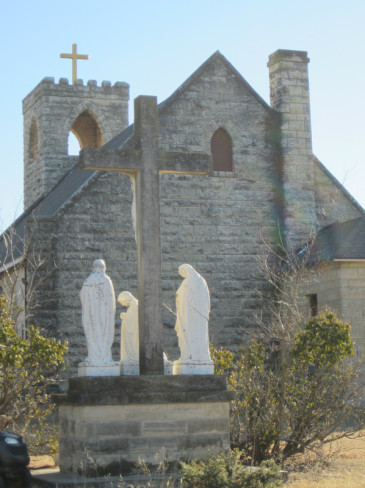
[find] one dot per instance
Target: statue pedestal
(102, 369)
(129, 368)
(107, 424)
(193, 367)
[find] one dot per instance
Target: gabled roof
(340, 240)
(214, 58)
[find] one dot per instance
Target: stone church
(264, 182)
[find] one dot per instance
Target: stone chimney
(289, 95)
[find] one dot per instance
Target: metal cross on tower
(74, 56)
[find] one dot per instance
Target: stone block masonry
(118, 421)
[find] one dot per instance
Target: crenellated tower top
(94, 114)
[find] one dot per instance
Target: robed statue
(98, 314)
(129, 340)
(192, 315)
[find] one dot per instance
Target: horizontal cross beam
(129, 161)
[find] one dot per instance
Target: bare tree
(26, 264)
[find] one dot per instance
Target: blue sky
(155, 46)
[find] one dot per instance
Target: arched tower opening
(221, 147)
(87, 131)
(73, 145)
(33, 142)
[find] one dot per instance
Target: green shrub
(285, 406)
(27, 369)
(222, 358)
(255, 412)
(227, 471)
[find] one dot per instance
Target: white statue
(98, 316)
(192, 309)
(129, 340)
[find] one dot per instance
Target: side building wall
(340, 285)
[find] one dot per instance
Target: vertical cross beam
(74, 56)
(148, 236)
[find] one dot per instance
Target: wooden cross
(144, 163)
(74, 56)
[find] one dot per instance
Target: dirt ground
(39, 462)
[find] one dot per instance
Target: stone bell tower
(94, 114)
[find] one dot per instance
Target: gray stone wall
(40, 275)
(97, 224)
(49, 112)
(216, 223)
(340, 285)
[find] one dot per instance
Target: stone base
(193, 367)
(167, 367)
(104, 369)
(131, 368)
(108, 424)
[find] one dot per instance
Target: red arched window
(221, 146)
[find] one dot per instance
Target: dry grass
(346, 467)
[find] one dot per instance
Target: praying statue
(129, 341)
(98, 315)
(192, 309)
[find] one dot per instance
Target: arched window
(221, 146)
(33, 141)
(87, 131)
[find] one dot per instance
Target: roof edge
(217, 55)
(339, 185)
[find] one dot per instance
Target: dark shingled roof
(340, 240)
(12, 240)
